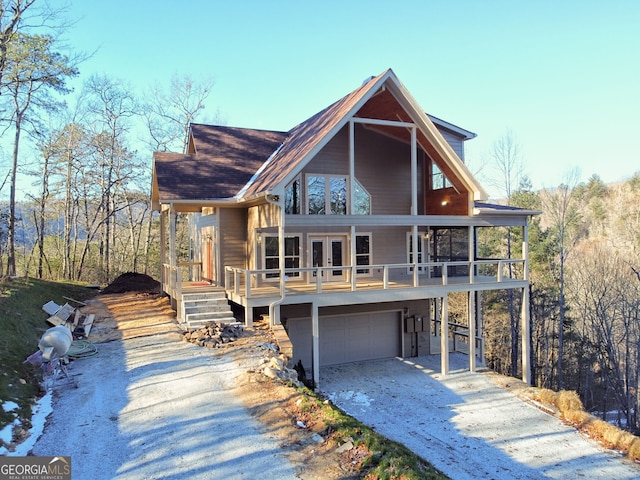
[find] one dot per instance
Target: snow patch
(41, 411)
(358, 398)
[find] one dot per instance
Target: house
(352, 230)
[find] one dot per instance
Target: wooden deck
(364, 291)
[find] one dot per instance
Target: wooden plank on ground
(87, 324)
(65, 312)
(51, 307)
(55, 321)
(76, 319)
(75, 301)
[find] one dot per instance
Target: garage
(347, 338)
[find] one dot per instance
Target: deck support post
(315, 332)
(525, 327)
(163, 252)
(526, 337)
(444, 336)
(248, 316)
(471, 319)
(480, 328)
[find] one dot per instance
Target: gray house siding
(382, 166)
(454, 141)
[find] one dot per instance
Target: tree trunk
(11, 231)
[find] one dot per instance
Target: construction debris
(214, 335)
(217, 335)
(59, 315)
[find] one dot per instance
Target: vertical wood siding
(233, 237)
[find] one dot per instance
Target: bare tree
(561, 208)
(607, 298)
(112, 105)
(507, 161)
(168, 114)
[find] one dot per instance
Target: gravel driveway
(153, 407)
(464, 424)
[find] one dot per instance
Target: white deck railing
(306, 280)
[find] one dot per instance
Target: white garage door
(350, 338)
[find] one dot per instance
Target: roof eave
(377, 83)
(466, 134)
(480, 211)
(439, 142)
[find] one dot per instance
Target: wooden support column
(315, 332)
(248, 316)
(472, 330)
(525, 314)
(172, 236)
(352, 167)
(354, 262)
(444, 336)
(163, 251)
(414, 171)
(526, 337)
(414, 248)
(479, 327)
(352, 207)
(175, 282)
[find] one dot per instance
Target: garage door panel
(351, 338)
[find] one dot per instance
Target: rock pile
(276, 367)
(214, 335)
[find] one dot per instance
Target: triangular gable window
(439, 179)
(326, 195)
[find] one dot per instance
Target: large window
(292, 198)
(291, 255)
(329, 195)
(361, 200)
(363, 253)
(451, 245)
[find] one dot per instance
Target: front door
(328, 252)
(208, 255)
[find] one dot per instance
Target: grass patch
(376, 457)
(22, 323)
(571, 410)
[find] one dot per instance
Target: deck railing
(174, 277)
(306, 280)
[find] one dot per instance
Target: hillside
(22, 323)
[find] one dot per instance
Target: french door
(328, 251)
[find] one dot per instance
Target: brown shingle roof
(305, 138)
(244, 163)
(225, 160)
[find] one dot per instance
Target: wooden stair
(199, 308)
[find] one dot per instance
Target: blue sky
(563, 76)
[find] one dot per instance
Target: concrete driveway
(464, 424)
(153, 407)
